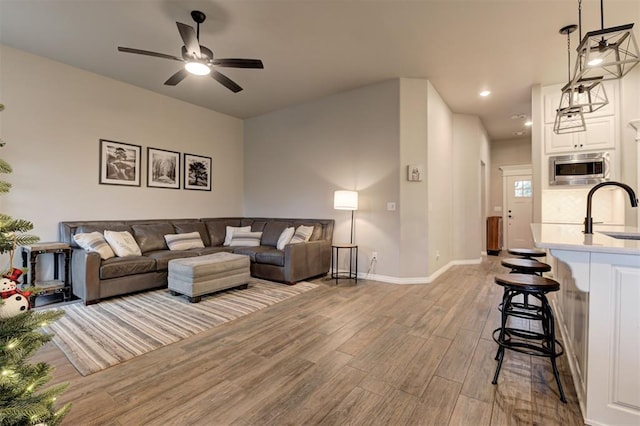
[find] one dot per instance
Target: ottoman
(197, 276)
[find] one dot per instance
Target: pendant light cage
(569, 115)
(609, 53)
(588, 94)
(569, 120)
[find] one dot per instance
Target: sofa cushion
(230, 230)
(285, 237)
(150, 237)
(271, 257)
(122, 243)
(317, 229)
(162, 257)
(258, 225)
(302, 234)
(245, 239)
(272, 232)
(210, 250)
(217, 230)
(187, 227)
(251, 251)
(184, 241)
(123, 266)
(97, 227)
(94, 242)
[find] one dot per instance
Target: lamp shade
(345, 200)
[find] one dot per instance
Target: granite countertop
(571, 237)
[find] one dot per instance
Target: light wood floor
(375, 353)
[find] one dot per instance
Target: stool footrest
(521, 341)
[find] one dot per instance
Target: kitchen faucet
(588, 221)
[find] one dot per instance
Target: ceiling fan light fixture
(197, 68)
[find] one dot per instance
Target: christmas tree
(22, 401)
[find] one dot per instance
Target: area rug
(99, 336)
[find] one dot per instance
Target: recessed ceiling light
(485, 93)
(528, 123)
(518, 116)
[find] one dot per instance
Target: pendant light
(569, 118)
(587, 93)
(609, 53)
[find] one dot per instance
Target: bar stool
(525, 341)
(525, 266)
(527, 253)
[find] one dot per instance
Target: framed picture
(414, 173)
(119, 163)
(197, 172)
(163, 168)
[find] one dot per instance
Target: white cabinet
(553, 94)
(602, 125)
(600, 134)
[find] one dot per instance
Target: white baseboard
(418, 280)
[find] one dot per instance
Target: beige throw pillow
(302, 234)
(184, 241)
(231, 229)
(246, 239)
(94, 242)
(285, 237)
(122, 243)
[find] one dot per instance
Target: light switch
(391, 206)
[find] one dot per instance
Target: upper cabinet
(601, 125)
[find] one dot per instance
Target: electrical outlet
(374, 255)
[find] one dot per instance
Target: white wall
(297, 157)
(413, 206)
(440, 175)
(363, 140)
(470, 150)
(54, 118)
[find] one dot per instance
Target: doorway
(517, 196)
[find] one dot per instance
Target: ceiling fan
(198, 59)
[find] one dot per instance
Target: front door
(519, 211)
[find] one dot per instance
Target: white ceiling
(313, 48)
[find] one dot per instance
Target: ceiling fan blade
(238, 63)
(177, 77)
(148, 53)
(225, 81)
(189, 38)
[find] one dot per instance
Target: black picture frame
(120, 163)
(198, 171)
(163, 168)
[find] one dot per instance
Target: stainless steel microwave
(579, 169)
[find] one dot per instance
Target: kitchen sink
(622, 235)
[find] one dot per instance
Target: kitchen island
(598, 313)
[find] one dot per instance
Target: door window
(522, 188)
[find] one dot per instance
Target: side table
(58, 284)
(353, 254)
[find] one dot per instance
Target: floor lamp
(346, 200)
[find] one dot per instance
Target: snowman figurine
(15, 301)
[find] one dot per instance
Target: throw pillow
(122, 243)
(94, 242)
(246, 239)
(302, 234)
(231, 229)
(184, 241)
(285, 237)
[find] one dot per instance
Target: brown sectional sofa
(94, 279)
